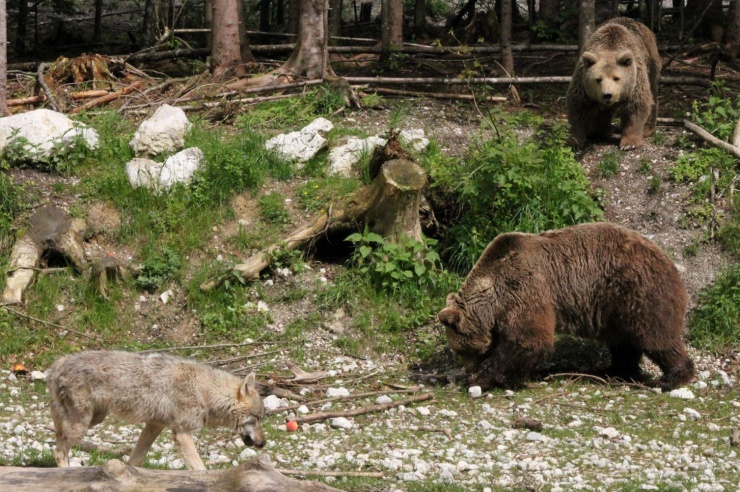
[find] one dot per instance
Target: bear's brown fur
(599, 281)
(617, 74)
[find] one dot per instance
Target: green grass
(715, 322)
(609, 165)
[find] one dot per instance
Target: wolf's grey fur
(159, 390)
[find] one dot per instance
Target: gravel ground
(593, 436)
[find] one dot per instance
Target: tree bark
(98, 22)
(420, 17)
(586, 21)
(294, 7)
(732, 33)
(258, 475)
(548, 13)
(20, 33)
(226, 51)
(507, 55)
(149, 24)
(3, 59)
(265, 15)
(335, 18)
(207, 21)
(389, 206)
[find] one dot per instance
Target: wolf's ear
(248, 385)
(450, 317)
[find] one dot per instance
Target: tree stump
(51, 233)
(389, 206)
(258, 475)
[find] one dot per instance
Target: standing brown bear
(617, 74)
(598, 281)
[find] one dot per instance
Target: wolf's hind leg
(148, 435)
(185, 442)
(68, 435)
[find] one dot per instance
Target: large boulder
(342, 158)
(158, 176)
(162, 132)
(301, 145)
(44, 134)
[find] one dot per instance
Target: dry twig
(360, 411)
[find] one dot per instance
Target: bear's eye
(598, 81)
(616, 79)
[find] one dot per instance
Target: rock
(691, 413)
(683, 393)
(342, 158)
(423, 411)
(335, 392)
(301, 145)
(156, 176)
(38, 376)
(272, 402)
(485, 425)
(535, 436)
(341, 423)
(247, 453)
(383, 399)
(475, 392)
(162, 132)
(46, 133)
(415, 139)
(165, 296)
(700, 385)
(608, 432)
(303, 409)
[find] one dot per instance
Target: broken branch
(360, 411)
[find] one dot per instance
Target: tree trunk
(420, 17)
(307, 57)
(294, 7)
(392, 28)
(208, 22)
(548, 14)
(244, 50)
(389, 206)
(3, 59)
(507, 55)
(706, 17)
(732, 34)
(98, 22)
(335, 17)
(586, 21)
(149, 24)
(258, 475)
(226, 52)
(264, 15)
(20, 33)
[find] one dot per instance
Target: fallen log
(51, 231)
(389, 206)
(108, 98)
(89, 94)
(258, 475)
(26, 100)
(711, 138)
(559, 79)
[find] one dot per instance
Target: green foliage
(64, 157)
(655, 183)
(316, 194)
(272, 208)
(645, 167)
(391, 265)
(506, 184)
(293, 112)
(695, 168)
(719, 114)
(285, 258)
(561, 30)
(158, 266)
(715, 322)
(609, 165)
(10, 203)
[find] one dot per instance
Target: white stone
(535, 436)
(683, 393)
(700, 385)
(247, 453)
(303, 409)
(342, 158)
(272, 402)
(165, 296)
(691, 413)
(608, 432)
(162, 132)
(475, 392)
(301, 145)
(383, 399)
(485, 425)
(423, 411)
(47, 133)
(157, 176)
(38, 376)
(335, 392)
(342, 423)
(415, 139)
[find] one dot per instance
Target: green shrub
(719, 114)
(715, 322)
(293, 112)
(272, 208)
(158, 266)
(506, 184)
(10, 203)
(609, 165)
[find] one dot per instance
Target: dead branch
(708, 137)
(52, 102)
(166, 55)
(438, 95)
(108, 98)
(257, 475)
(703, 82)
(88, 94)
(360, 411)
(26, 100)
(577, 375)
(327, 473)
(342, 398)
(243, 357)
(301, 376)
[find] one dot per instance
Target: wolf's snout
(257, 443)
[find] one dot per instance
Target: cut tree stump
(51, 232)
(389, 206)
(258, 475)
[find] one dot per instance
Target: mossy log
(259, 475)
(389, 206)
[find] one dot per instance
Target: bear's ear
(449, 317)
(589, 59)
(625, 59)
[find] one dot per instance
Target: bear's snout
(607, 97)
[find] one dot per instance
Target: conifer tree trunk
(229, 37)
(391, 14)
(335, 18)
(420, 17)
(507, 55)
(732, 33)
(3, 59)
(98, 22)
(586, 21)
(20, 33)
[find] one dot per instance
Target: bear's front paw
(630, 142)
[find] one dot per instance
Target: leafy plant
(293, 112)
(715, 322)
(695, 168)
(63, 157)
(609, 165)
(158, 266)
(272, 208)
(10, 203)
(719, 114)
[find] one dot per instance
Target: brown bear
(617, 74)
(599, 281)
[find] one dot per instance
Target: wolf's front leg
(148, 435)
(185, 442)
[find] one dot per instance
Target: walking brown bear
(598, 281)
